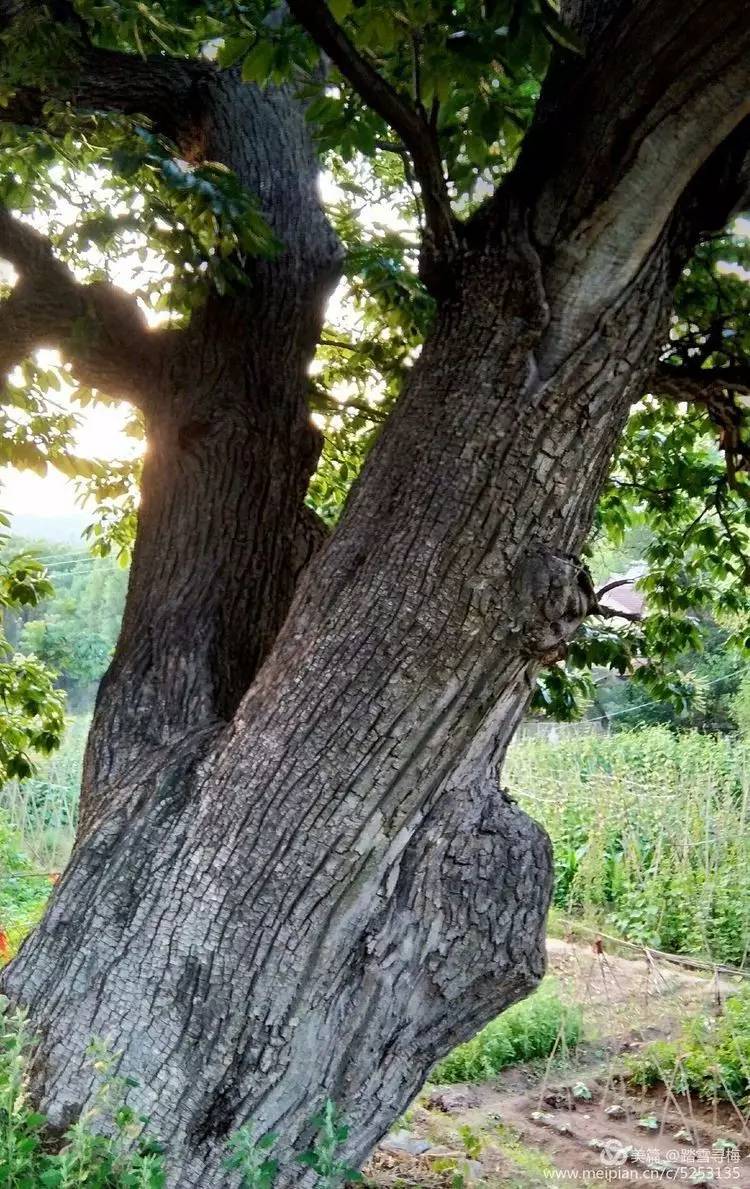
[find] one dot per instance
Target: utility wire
(660, 701)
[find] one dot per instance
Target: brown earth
(535, 1124)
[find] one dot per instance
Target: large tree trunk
(336, 890)
(316, 887)
(222, 530)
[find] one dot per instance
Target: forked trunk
(314, 887)
(333, 890)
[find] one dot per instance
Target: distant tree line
(73, 631)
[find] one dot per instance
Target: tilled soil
(575, 1118)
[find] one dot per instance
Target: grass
(37, 828)
(533, 1028)
(651, 832)
(42, 811)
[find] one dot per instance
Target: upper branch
(98, 327)
(716, 389)
(163, 89)
(617, 140)
(409, 121)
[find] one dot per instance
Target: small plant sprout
(649, 1123)
(724, 1146)
(252, 1158)
(471, 1141)
(323, 1157)
(581, 1092)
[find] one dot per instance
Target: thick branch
(409, 122)
(98, 327)
(617, 141)
(696, 383)
(163, 89)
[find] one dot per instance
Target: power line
(54, 557)
(660, 701)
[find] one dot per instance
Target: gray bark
(336, 891)
(299, 877)
(230, 452)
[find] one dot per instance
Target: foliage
(119, 199)
(23, 894)
(324, 1155)
(711, 676)
(73, 628)
(536, 1027)
(741, 707)
(108, 1147)
(252, 1158)
(710, 1057)
(126, 1159)
(42, 810)
(32, 709)
(651, 834)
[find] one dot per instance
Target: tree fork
(323, 895)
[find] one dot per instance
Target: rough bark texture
(230, 452)
(297, 876)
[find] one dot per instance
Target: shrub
(711, 1056)
(536, 1027)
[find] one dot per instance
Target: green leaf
(258, 64)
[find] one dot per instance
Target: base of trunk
(150, 949)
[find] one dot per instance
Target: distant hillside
(59, 529)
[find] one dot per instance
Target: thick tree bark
(310, 884)
(230, 453)
(337, 891)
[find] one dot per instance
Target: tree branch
(604, 612)
(163, 89)
(693, 383)
(613, 585)
(99, 328)
(407, 120)
(617, 140)
(714, 389)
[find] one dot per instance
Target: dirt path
(573, 1118)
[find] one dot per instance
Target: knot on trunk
(462, 936)
(554, 594)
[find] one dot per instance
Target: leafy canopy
(119, 202)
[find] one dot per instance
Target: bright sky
(100, 436)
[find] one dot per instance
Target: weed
(126, 1159)
(323, 1158)
(471, 1141)
(252, 1158)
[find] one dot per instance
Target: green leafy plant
(252, 1159)
(710, 1057)
(122, 1158)
(324, 1155)
(108, 1146)
(533, 1028)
